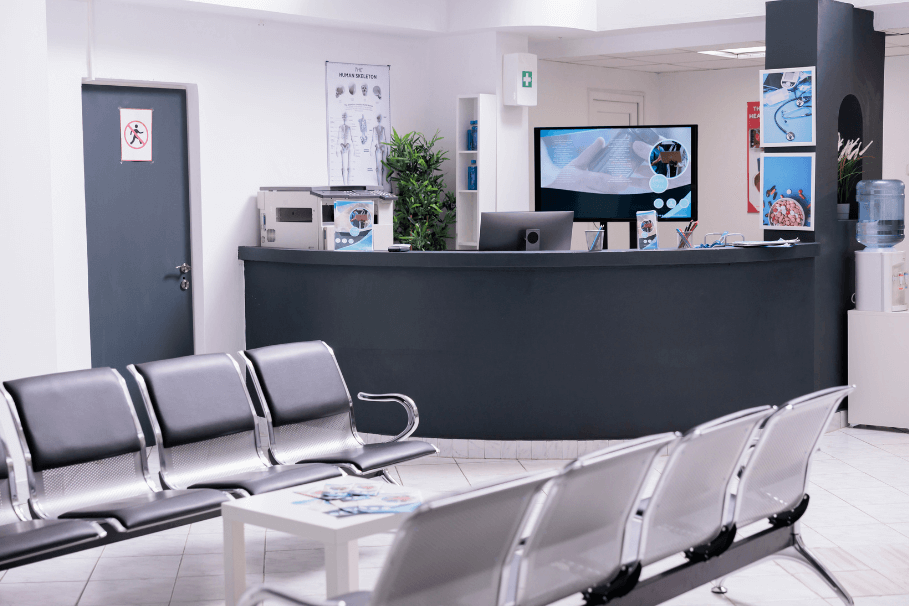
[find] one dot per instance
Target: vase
(842, 212)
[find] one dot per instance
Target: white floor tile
(303, 560)
(212, 564)
(41, 594)
(149, 545)
(50, 571)
(478, 473)
(198, 589)
(214, 543)
(133, 591)
(141, 567)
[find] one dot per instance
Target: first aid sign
(135, 135)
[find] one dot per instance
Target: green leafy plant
(424, 211)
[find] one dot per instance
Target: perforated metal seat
(85, 453)
(23, 539)
(690, 508)
(577, 540)
(310, 413)
(774, 480)
(451, 551)
(205, 427)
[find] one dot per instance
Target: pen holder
(683, 243)
(595, 239)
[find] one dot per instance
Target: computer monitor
(506, 230)
(608, 173)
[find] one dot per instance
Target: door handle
(184, 269)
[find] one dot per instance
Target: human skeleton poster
(359, 124)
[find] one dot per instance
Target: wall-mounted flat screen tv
(608, 173)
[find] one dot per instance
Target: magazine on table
(354, 497)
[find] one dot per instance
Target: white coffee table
(276, 511)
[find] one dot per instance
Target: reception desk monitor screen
(608, 173)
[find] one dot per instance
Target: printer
(303, 217)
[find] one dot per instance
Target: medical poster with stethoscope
(787, 106)
(787, 187)
(358, 109)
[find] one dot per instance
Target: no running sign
(135, 135)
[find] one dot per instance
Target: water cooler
(878, 337)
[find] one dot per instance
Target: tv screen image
(608, 173)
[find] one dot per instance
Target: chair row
(591, 526)
(85, 457)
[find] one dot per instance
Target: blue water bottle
(472, 175)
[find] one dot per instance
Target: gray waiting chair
(205, 428)
(24, 540)
(690, 511)
(577, 540)
(774, 481)
(451, 551)
(309, 411)
(85, 455)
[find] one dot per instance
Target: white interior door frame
(595, 94)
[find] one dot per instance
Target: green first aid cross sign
(527, 79)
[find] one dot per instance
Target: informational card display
(358, 117)
(787, 189)
(135, 135)
(787, 106)
(754, 156)
(353, 225)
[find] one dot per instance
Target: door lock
(184, 284)
(184, 269)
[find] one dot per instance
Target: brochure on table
(353, 497)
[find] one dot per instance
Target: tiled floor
(857, 524)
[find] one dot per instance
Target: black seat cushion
(74, 417)
(24, 539)
(197, 398)
(300, 381)
(371, 457)
(356, 598)
(154, 507)
(273, 478)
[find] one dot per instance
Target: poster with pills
(787, 189)
(359, 124)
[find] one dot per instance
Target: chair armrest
(259, 593)
(413, 416)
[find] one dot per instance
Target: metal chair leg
(388, 478)
(798, 552)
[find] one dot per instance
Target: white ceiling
(689, 59)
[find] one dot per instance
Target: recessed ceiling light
(751, 52)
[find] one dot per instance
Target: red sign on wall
(754, 156)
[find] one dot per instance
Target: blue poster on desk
(353, 225)
(787, 106)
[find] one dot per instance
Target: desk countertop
(554, 259)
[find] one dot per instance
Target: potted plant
(424, 211)
(849, 169)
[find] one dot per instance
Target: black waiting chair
(310, 413)
(85, 456)
(205, 427)
(24, 540)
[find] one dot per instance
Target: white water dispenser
(880, 270)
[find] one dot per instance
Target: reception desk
(547, 345)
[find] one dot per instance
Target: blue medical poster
(353, 225)
(787, 106)
(787, 189)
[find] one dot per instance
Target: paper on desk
(359, 499)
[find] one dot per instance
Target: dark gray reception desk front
(547, 345)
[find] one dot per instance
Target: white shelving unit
(473, 202)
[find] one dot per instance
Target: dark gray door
(137, 223)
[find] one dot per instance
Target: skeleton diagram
(345, 140)
(380, 149)
(363, 128)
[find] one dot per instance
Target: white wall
(261, 122)
(896, 124)
(717, 102)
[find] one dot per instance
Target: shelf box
(470, 203)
